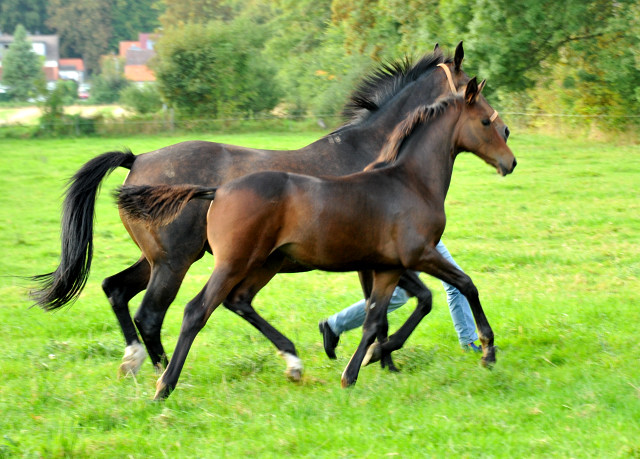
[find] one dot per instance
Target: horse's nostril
(506, 133)
(515, 163)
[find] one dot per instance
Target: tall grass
(553, 249)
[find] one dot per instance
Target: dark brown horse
(388, 220)
(376, 107)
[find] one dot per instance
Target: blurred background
(86, 67)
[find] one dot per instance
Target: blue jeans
(353, 316)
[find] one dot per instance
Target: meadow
(554, 250)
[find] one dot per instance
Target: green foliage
(216, 69)
(141, 99)
(131, 17)
(22, 68)
(85, 28)
(32, 14)
(107, 86)
(179, 13)
(54, 122)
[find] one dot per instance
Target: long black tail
(160, 204)
(64, 285)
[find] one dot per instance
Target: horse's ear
(471, 92)
(459, 55)
(481, 85)
(436, 48)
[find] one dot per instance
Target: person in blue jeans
(353, 316)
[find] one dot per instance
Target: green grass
(554, 250)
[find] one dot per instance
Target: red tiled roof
(78, 64)
(138, 73)
(125, 45)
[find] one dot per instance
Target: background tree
(108, 85)
(85, 28)
(298, 28)
(22, 68)
(32, 14)
(179, 13)
(130, 17)
(215, 69)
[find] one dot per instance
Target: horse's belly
(330, 256)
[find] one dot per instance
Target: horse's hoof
(127, 369)
(344, 382)
(489, 359)
(134, 355)
(162, 391)
(392, 368)
(374, 354)
(294, 366)
(294, 374)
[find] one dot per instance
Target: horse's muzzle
(506, 170)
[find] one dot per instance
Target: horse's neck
(427, 161)
(359, 144)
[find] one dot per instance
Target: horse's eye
(486, 122)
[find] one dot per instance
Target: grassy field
(554, 250)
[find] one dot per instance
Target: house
(136, 55)
(46, 46)
(71, 69)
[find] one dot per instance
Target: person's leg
(350, 318)
(459, 308)
(353, 316)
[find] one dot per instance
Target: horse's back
(313, 220)
(195, 162)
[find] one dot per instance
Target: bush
(107, 90)
(141, 99)
(107, 86)
(216, 70)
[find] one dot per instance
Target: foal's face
(482, 132)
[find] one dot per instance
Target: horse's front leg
(415, 287)
(375, 323)
(435, 264)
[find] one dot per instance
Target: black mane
(385, 83)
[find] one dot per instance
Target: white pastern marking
(134, 355)
(293, 362)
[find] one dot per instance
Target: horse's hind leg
(120, 288)
(161, 291)
(196, 314)
(239, 301)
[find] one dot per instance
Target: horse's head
(456, 78)
(447, 77)
(481, 131)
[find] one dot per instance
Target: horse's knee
(114, 294)
(195, 316)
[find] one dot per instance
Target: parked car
(83, 91)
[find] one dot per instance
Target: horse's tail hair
(64, 285)
(161, 204)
